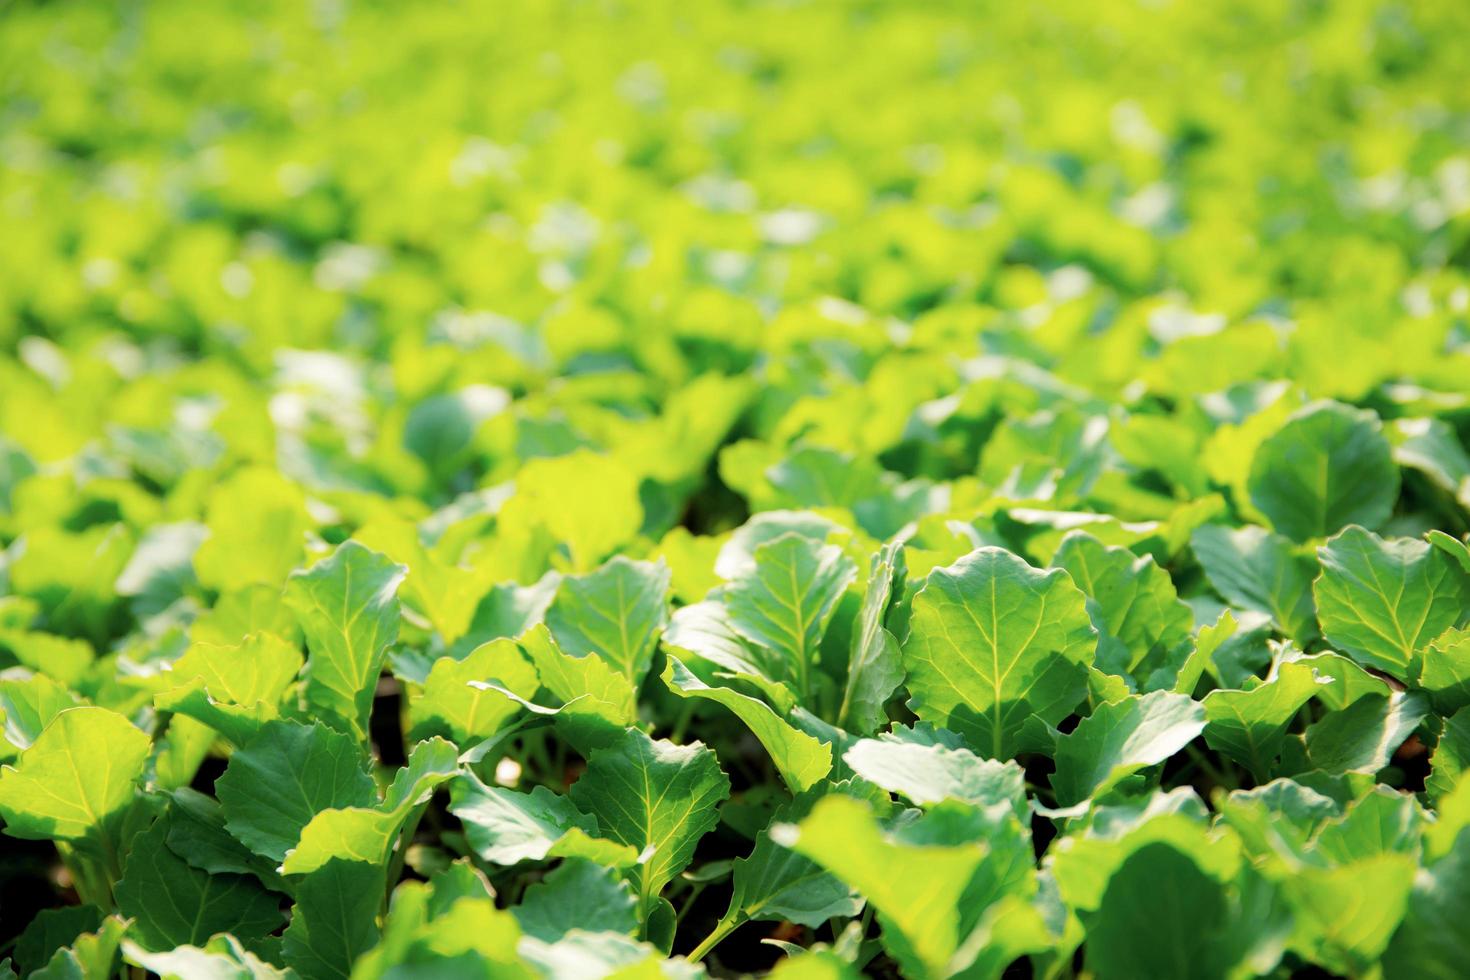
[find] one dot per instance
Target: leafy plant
(581, 490)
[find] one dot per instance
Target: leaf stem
(722, 929)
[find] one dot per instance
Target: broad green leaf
(588, 685)
(443, 594)
(1275, 822)
(449, 705)
(1121, 738)
(75, 779)
(616, 613)
(236, 615)
(1329, 466)
(656, 797)
(874, 663)
(367, 833)
(1432, 944)
(233, 689)
(334, 920)
(1260, 571)
(993, 642)
(785, 602)
(586, 500)
(611, 955)
(1345, 916)
(257, 524)
(64, 659)
(1432, 447)
(348, 612)
(927, 772)
(505, 826)
(258, 669)
(1363, 736)
(801, 760)
(1453, 812)
(51, 930)
(577, 895)
(28, 705)
(222, 958)
(1383, 822)
(960, 854)
(1382, 602)
(92, 956)
(703, 631)
(1444, 670)
(1451, 756)
(1133, 603)
(197, 831)
(237, 723)
(1083, 862)
(775, 882)
(283, 777)
(1349, 681)
(1161, 917)
(1250, 726)
(173, 904)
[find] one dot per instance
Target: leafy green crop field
(630, 488)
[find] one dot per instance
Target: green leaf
(51, 930)
(444, 594)
(506, 827)
(1250, 726)
(1432, 447)
(257, 524)
(1451, 756)
(197, 831)
(993, 642)
(801, 760)
(334, 920)
(1363, 736)
(965, 860)
(600, 699)
(656, 797)
(449, 705)
(1432, 943)
(1383, 822)
(1444, 670)
(367, 834)
(1161, 917)
(586, 500)
(874, 664)
(1329, 466)
(173, 904)
(222, 958)
(234, 688)
(347, 610)
(578, 895)
(784, 603)
(1382, 602)
(1121, 738)
(703, 631)
(75, 779)
(284, 777)
(777, 883)
(616, 612)
(1133, 602)
(927, 772)
(1345, 916)
(28, 705)
(258, 669)
(91, 957)
(1262, 572)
